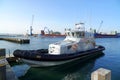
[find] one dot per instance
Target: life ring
(74, 46)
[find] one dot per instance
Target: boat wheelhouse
(76, 40)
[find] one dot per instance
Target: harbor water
(72, 71)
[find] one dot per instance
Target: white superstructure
(76, 40)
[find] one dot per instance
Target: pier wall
(6, 72)
(16, 40)
(2, 65)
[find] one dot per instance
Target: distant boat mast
(31, 29)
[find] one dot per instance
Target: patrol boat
(78, 45)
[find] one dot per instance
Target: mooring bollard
(6, 72)
(101, 74)
(2, 65)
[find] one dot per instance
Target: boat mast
(31, 29)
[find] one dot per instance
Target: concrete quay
(6, 72)
(16, 40)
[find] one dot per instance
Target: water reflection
(20, 70)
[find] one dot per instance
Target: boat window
(80, 34)
(77, 34)
(68, 34)
(73, 34)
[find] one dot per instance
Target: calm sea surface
(71, 71)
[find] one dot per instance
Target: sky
(56, 15)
